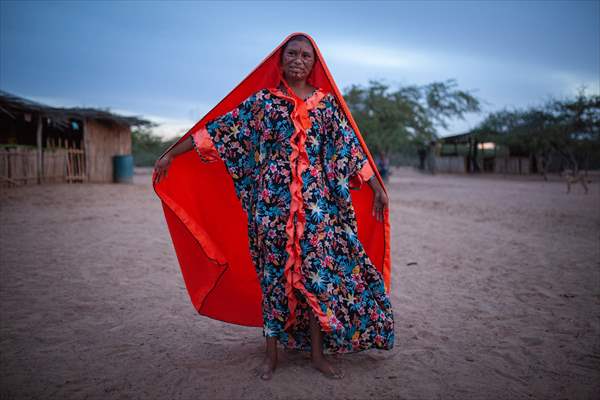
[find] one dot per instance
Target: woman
(292, 155)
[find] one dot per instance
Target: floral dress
(293, 164)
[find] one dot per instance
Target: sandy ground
(496, 294)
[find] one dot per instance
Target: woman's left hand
(380, 200)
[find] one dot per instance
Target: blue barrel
(123, 168)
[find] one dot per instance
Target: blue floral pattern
(253, 140)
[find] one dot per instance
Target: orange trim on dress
(204, 145)
(299, 162)
(365, 173)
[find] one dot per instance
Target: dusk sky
(172, 62)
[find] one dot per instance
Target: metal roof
(14, 106)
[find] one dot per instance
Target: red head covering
(209, 228)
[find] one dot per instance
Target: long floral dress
(293, 163)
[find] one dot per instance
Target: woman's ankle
(271, 347)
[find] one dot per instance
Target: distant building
(466, 153)
(39, 143)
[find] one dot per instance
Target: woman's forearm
(374, 183)
(182, 147)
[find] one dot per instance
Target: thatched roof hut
(41, 143)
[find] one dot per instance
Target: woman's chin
(297, 77)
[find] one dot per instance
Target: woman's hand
(380, 199)
(160, 167)
(162, 164)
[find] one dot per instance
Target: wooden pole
(86, 147)
(40, 170)
(81, 170)
(68, 161)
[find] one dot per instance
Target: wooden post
(40, 169)
(69, 165)
(85, 145)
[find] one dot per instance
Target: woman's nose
(296, 59)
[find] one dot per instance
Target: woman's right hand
(160, 167)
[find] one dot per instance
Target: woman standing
(293, 157)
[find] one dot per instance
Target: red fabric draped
(209, 228)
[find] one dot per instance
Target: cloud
(375, 56)
(498, 79)
(169, 128)
(52, 101)
(571, 82)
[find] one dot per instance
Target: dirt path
(496, 294)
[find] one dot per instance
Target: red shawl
(209, 228)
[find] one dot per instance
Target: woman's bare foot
(317, 358)
(269, 362)
(324, 366)
(267, 367)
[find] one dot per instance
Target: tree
(567, 128)
(147, 146)
(524, 132)
(403, 120)
(576, 133)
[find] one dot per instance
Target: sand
(496, 295)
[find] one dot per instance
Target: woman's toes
(267, 375)
(327, 369)
(266, 369)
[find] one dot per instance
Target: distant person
(382, 166)
(431, 153)
(422, 152)
(288, 144)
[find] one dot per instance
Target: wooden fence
(512, 165)
(62, 162)
(18, 166)
(450, 164)
(499, 164)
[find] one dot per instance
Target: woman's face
(297, 60)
